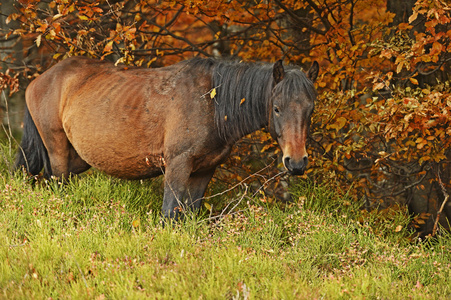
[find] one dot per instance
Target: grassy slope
(100, 237)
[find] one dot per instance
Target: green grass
(101, 238)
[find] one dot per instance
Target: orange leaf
(414, 81)
(38, 40)
(413, 17)
(378, 86)
(108, 47)
(57, 16)
(399, 67)
(404, 26)
(135, 223)
(339, 123)
(437, 47)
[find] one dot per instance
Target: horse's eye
(276, 110)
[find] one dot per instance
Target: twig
(162, 163)
(224, 211)
(8, 130)
(17, 245)
(269, 180)
(81, 272)
(230, 212)
(241, 182)
(439, 212)
(239, 201)
(9, 135)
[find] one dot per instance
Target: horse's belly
(115, 145)
(126, 168)
(119, 156)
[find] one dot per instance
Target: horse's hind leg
(63, 157)
(178, 184)
(183, 191)
(76, 164)
(196, 189)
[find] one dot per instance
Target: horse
(179, 121)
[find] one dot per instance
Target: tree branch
(305, 24)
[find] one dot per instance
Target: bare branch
(439, 212)
(300, 20)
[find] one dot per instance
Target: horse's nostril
(286, 162)
(295, 167)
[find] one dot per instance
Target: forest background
(381, 127)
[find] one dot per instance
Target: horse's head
(292, 103)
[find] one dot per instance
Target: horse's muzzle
(295, 167)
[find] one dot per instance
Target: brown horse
(138, 123)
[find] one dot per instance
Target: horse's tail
(32, 154)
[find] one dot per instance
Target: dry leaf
(413, 80)
(213, 93)
(38, 40)
(136, 223)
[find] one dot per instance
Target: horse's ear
(312, 73)
(278, 72)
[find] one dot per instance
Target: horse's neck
(242, 99)
(253, 117)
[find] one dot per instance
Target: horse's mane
(243, 94)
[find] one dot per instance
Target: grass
(101, 238)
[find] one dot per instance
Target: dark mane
(234, 81)
(243, 92)
(296, 83)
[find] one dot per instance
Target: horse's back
(119, 119)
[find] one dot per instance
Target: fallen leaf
(136, 223)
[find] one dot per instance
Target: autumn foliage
(381, 129)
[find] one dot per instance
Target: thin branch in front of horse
(212, 93)
(225, 211)
(235, 206)
(267, 181)
(246, 186)
(243, 182)
(160, 160)
(162, 164)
